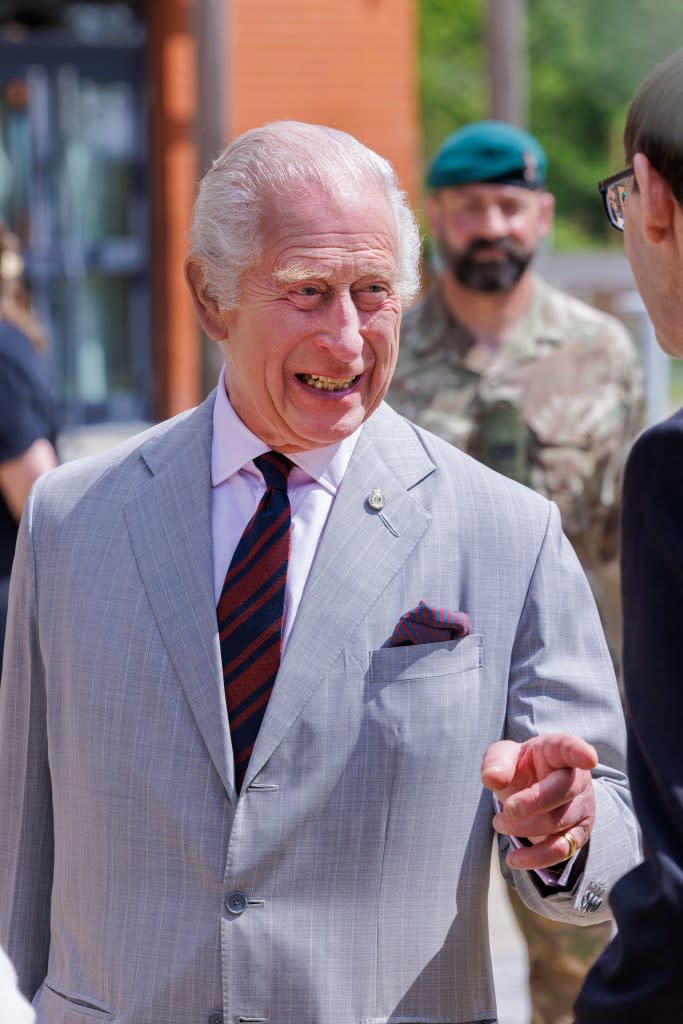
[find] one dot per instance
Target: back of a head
(654, 124)
(277, 160)
(15, 302)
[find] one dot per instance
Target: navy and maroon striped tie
(250, 610)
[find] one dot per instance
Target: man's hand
(546, 790)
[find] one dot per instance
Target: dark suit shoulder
(655, 463)
(668, 431)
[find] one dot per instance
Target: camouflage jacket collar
(437, 329)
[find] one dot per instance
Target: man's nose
(340, 332)
(494, 223)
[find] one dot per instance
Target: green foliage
(453, 87)
(585, 62)
(676, 389)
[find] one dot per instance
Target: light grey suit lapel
(169, 522)
(359, 553)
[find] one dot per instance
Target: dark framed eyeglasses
(614, 193)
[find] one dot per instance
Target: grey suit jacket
(348, 883)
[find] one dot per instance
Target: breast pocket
(415, 661)
(421, 1020)
(425, 707)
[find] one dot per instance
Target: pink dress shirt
(237, 486)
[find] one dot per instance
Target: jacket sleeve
(639, 975)
(26, 830)
(562, 680)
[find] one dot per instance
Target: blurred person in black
(28, 421)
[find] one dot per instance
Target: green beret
(491, 152)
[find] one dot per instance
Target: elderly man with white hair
(279, 670)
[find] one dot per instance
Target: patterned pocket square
(428, 625)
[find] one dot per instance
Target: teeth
(327, 383)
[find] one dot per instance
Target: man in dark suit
(639, 976)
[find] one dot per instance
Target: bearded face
(486, 266)
(486, 235)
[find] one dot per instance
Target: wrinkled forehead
(304, 227)
(314, 206)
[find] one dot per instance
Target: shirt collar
(234, 446)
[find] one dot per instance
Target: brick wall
(351, 64)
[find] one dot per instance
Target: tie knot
(275, 468)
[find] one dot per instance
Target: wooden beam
(176, 349)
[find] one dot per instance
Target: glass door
(73, 187)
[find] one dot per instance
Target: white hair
(286, 158)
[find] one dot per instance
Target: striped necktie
(250, 610)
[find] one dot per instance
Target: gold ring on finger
(572, 845)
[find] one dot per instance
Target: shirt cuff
(557, 877)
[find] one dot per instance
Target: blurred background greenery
(676, 383)
(584, 62)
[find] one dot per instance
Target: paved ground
(509, 955)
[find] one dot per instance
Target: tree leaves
(586, 60)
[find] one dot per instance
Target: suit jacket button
(236, 903)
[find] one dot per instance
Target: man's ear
(657, 201)
(206, 308)
(546, 212)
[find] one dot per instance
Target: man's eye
(376, 288)
(308, 290)
(468, 212)
(371, 296)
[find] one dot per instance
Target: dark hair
(654, 123)
(15, 302)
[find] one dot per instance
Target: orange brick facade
(350, 64)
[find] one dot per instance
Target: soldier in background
(538, 385)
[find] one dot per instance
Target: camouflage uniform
(556, 407)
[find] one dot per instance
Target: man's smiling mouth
(315, 380)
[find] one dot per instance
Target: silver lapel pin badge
(375, 500)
